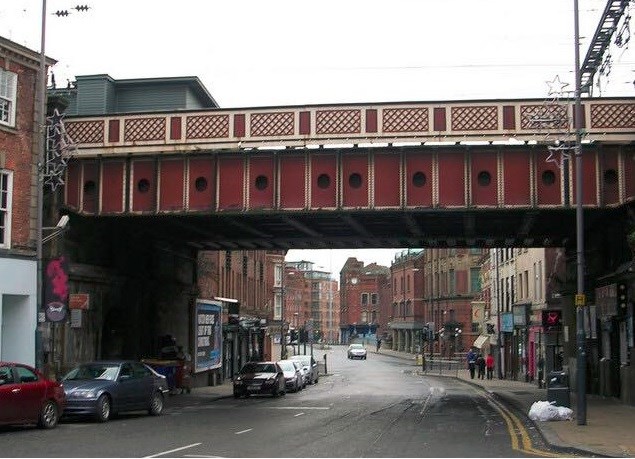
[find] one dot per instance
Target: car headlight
(84, 393)
(270, 380)
(238, 382)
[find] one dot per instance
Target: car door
(31, 392)
(143, 385)
(126, 387)
(9, 395)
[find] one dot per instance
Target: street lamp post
(580, 306)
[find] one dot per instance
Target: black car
(100, 389)
(260, 378)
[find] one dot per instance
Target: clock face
(354, 280)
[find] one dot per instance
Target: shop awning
(480, 341)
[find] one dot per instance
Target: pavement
(608, 430)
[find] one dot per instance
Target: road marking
(294, 407)
(296, 415)
(516, 429)
(174, 450)
(244, 431)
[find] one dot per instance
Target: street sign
(78, 300)
(580, 299)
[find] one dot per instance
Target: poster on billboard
(209, 335)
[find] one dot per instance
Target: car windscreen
(259, 368)
(93, 371)
(287, 366)
(357, 346)
(304, 359)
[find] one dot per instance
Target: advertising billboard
(209, 335)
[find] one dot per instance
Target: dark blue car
(101, 389)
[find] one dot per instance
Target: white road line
(198, 455)
(175, 450)
(294, 407)
(296, 415)
(244, 431)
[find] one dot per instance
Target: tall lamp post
(580, 298)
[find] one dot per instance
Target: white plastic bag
(548, 411)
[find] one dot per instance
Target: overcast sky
(292, 52)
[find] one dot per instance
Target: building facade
(364, 294)
(451, 283)
(20, 110)
(407, 316)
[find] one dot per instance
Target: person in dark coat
(480, 364)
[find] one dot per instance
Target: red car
(28, 397)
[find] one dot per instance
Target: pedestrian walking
(489, 363)
(471, 362)
(378, 344)
(480, 365)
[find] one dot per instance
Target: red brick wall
(16, 152)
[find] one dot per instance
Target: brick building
(19, 147)
(407, 314)
(364, 299)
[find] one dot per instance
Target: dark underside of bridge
(317, 229)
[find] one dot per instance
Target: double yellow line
(519, 436)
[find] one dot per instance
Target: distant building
(407, 317)
(311, 297)
(364, 294)
(452, 280)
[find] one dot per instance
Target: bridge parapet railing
(444, 366)
(511, 121)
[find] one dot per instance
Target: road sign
(580, 299)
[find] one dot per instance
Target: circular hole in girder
(419, 179)
(262, 182)
(200, 184)
(355, 180)
(143, 185)
(484, 178)
(323, 181)
(548, 177)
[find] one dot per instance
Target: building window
(364, 298)
(6, 185)
(277, 278)
(277, 310)
(452, 282)
(373, 298)
(8, 94)
(475, 280)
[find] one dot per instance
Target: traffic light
(622, 296)
(490, 329)
(551, 319)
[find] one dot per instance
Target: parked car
(293, 376)
(260, 378)
(28, 397)
(101, 389)
(356, 351)
(310, 367)
(303, 372)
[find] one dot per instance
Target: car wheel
(48, 416)
(156, 404)
(236, 395)
(103, 408)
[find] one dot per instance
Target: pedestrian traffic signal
(551, 319)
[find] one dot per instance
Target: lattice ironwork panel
(86, 131)
(207, 126)
(544, 117)
(474, 118)
(338, 122)
(613, 116)
(271, 124)
(144, 129)
(405, 119)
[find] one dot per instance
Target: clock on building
(354, 280)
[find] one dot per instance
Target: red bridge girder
(215, 178)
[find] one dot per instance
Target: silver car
(293, 376)
(309, 366)
(356, 351)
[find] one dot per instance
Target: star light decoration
(59, 149)
(553, 117)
